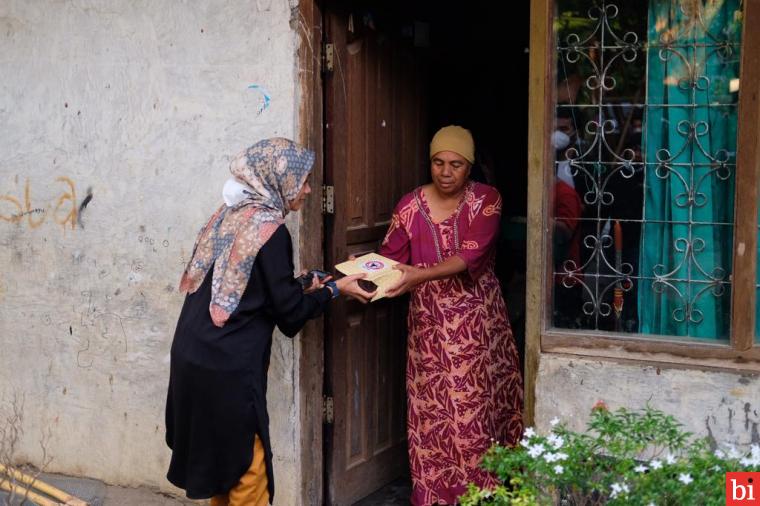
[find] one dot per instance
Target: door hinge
(328, 413)
(328, 199)
(328, 58)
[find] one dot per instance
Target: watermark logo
(742, 489)
(373, 265)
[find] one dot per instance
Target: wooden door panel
(356, 171)
(383, 395)
(356, 382)
(383, 126)
(374, 123)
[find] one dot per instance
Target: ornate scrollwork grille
(611, 55)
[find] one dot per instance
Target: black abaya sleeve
(289, 306)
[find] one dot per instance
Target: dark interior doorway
(479, 79)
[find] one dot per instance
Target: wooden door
(375, 140)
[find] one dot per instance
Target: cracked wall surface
(118, 121)
(721, 405)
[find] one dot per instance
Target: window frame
(742, 352)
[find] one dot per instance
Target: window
(653, 174)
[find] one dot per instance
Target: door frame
(310, 355)
(540, 124)
(308, 22)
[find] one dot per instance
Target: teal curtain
(690, 145)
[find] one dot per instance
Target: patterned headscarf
(275, 170)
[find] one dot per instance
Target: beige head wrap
(453, 138)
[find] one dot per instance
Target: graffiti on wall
(264, 97)
(23, 210)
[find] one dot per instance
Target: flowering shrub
(624, 457)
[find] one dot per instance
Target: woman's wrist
(422, 274)
(452, 266)
(333, 287)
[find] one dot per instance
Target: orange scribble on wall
(13, 217)
(28, 211)
(36, 216)
(71, 197)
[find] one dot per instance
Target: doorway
(396, 72)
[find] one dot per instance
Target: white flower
(656, 464)
(685, 478)
(558, 469)
(529, 432)
(670, 459)
(554, 421)
(640, 469)
(536, 450)
(752, 458)
(720, 454)
(716, 468)
(618, 489)
(556, 441)
(733, 453)
(524, 442)
(651, 504)
(561, 456)
(550, 457)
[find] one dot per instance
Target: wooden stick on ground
(31, 481)
(27, 494)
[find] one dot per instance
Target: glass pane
(645, 148)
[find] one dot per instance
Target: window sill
(652, 351)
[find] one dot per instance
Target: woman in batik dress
(463, 380)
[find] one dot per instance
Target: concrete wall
(139, 104)
(724, 406)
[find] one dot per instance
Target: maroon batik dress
(463, 379)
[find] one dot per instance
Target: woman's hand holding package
(410, 277)
(349, 285)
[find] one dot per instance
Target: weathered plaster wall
(722, 405)
(139, 104)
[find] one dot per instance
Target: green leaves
(623, 458)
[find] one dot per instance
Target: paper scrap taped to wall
(378, 269)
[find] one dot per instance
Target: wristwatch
(333, 286)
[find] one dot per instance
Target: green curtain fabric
(690, 144)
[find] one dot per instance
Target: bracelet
(333, 286)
